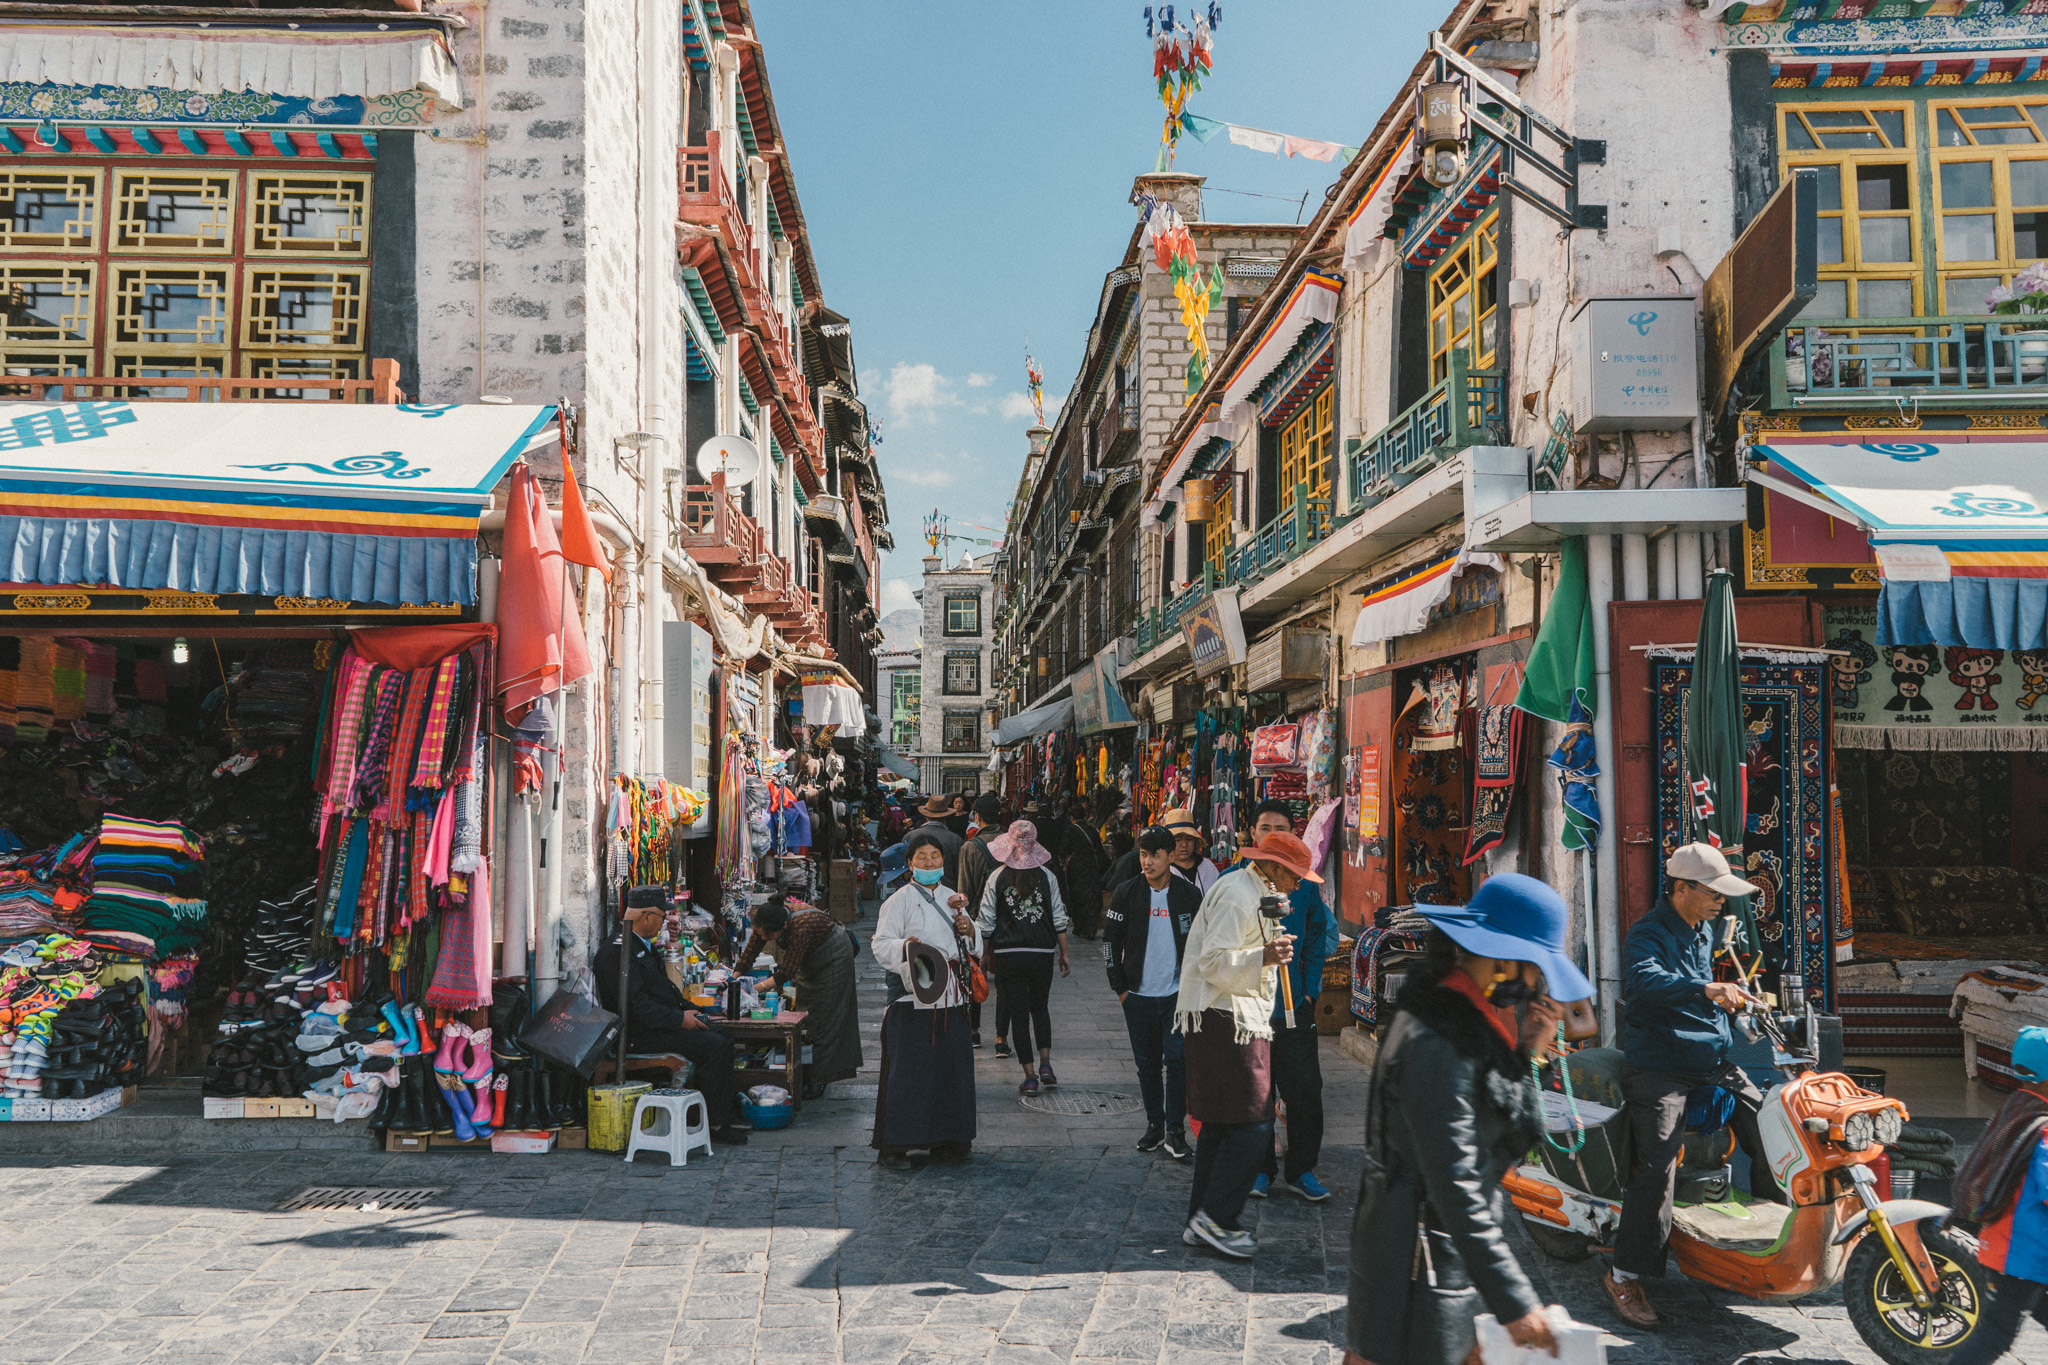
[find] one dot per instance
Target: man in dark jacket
(976, 863)
(658, 1019)
(1675, 1039)
(1144, 934)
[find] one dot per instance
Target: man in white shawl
(1225, 1011)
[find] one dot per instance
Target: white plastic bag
(1577, 1344)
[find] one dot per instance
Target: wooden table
(786, 1028)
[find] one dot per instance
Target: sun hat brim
(1562, 979)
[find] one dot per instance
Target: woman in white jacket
(926, 1096)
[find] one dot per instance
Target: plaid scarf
(412, 715)
(433, 749)
(353, 689)
(383, 726)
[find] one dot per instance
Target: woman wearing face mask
(923, 937)
(1452, 1109)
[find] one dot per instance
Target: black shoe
(1176, 1145)
(1154, 1135)
(977, 1037)
(813, 1091)
(1002, 1047)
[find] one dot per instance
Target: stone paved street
(1057, 1243)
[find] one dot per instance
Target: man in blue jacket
(1297, 1060)
(1675, 1039)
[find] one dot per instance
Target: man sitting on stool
(658, 1019)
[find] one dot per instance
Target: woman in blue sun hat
(1453, 1109)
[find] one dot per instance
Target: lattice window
(46, 317)
(1464, 301)
(1218, 538)
(158, 211)
(1305, 450)
(320, 309)
(49, 210)
(326, 215)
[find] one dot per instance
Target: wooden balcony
(705, 198)
(734, 552)
(1116, 430)
(380, 387)
(1965, 360)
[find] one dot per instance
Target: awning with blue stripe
(370, 503)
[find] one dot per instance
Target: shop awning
(1402, 607)
(1039, 720)
(347, 502)
(1960, 531)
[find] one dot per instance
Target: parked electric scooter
(1913, 1289)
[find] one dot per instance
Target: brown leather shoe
(1631, 1301)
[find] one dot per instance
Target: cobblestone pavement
(1057, 1243)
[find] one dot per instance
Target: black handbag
(571, 1029)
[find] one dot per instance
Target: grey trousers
(1656, 1120)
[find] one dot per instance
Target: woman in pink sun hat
(1024, 922)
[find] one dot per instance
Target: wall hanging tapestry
(1789, 839)
(1931, 696)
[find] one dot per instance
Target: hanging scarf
(412, 715)
(466, 849)
(462, 970)
(382, 729)
(353, 691)
(433, 752)
(1577, 769)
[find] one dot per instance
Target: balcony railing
(1157, 625)
(704, 196)
(1466, 409)
(1972, 358)
(1115, 430)
(1306, 522)
(380, 387)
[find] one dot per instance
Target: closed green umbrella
(1716, 777)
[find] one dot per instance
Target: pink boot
(448, 1060)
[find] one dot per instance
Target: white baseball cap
(1705, 864)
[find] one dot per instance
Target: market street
(1057, 1243)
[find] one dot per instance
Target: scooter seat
(1737, 1223)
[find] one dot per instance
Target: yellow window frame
(1219, 537)
(1306, 448)
(1861, 281)
(1463, 306)
(1987, 137)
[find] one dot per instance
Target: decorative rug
(1496, 767)
(1789, 836)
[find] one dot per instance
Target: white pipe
(487, 570)
(607, 525)
(547, 952)
(1606, 927)
(1692, 582)
(1667, 566)
(1635, 567)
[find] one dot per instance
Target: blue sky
(964, 170)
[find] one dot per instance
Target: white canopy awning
(1039, 720)
(304, 63)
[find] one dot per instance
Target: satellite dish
(732, 456)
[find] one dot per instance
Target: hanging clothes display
(1496, 769)
(1429, 797)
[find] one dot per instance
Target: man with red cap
(1225, 1012)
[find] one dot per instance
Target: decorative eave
(274, 143)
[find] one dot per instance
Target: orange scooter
(1913, 1288)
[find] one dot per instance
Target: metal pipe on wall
(1667, 566)
(1606, 927)
(1635, 567)
(1692, 579)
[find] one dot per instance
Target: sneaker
(1308, 1187)
(1154, 1135)
(1002, 1048)
(1188, 1238)
(1261, 1185)
(976, 1038)
(1238, 1245)
(1176, 1145)
(1029, 1087)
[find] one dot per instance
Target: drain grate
(1068, 1100)
(362, 1198)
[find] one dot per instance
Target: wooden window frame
(1308, 449)
(952, 599)
(1477, 255)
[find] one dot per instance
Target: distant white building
(899, 686)
(952, 750)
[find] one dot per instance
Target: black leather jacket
(1454, 1111)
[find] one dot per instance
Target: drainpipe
(1667, 566)
(657, 261)
(1606, 926)
(1635, 566)
(1692, 583)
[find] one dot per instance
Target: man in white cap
(1675, 1040)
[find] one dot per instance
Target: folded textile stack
(1929, 1151)
(99, 677)
(137, 867)
(35, 697)
(28, 908)
(275, 696)
(67, 679)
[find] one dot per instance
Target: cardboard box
(572, 1139)
(405, 1142)
(1333, 1011)
(214, 1107)
(127, 1096)
(70, 1111)
(30, 1111)
(259, 1109)
(295, 1109)
(522, 1144)
(845, 898)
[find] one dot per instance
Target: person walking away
(1297, 1057)
(976, 863)
(1081, 872)
(659, 1020)
(1225, 1014)
(1189, 843)
(1453, 1108)
(815, 955)
(2003, 1185)
(935, 811)
(1675, 1040)
(1144, 934)
(1024, 922)
(925, 1098)
(895, 821)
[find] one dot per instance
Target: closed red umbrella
(540, 638)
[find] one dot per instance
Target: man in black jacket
(1144, 933)
(976, 863)
(658, 1019)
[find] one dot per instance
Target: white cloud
(980, 381)
(1015, 407)
(896, 595)
(927, 473)
(918, 391)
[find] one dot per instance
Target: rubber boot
(499, 1087)
(448, 1059)
(456, 1100)
(401, 1029)
(418, 1118)
(479, 1112)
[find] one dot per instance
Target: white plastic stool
(672, 1121)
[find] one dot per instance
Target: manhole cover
(362, 1198)
(1067, 1100)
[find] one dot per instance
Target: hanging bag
(1275, 747)
(966, 970)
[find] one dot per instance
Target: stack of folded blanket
(138, 868)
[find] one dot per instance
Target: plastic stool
(680, 1122)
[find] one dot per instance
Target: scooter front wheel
(1881, 1305)
(1558, 1243)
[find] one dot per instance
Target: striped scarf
(353, 690)
(462, 973)
(382, 728)
(412, 715)
(433, 749)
